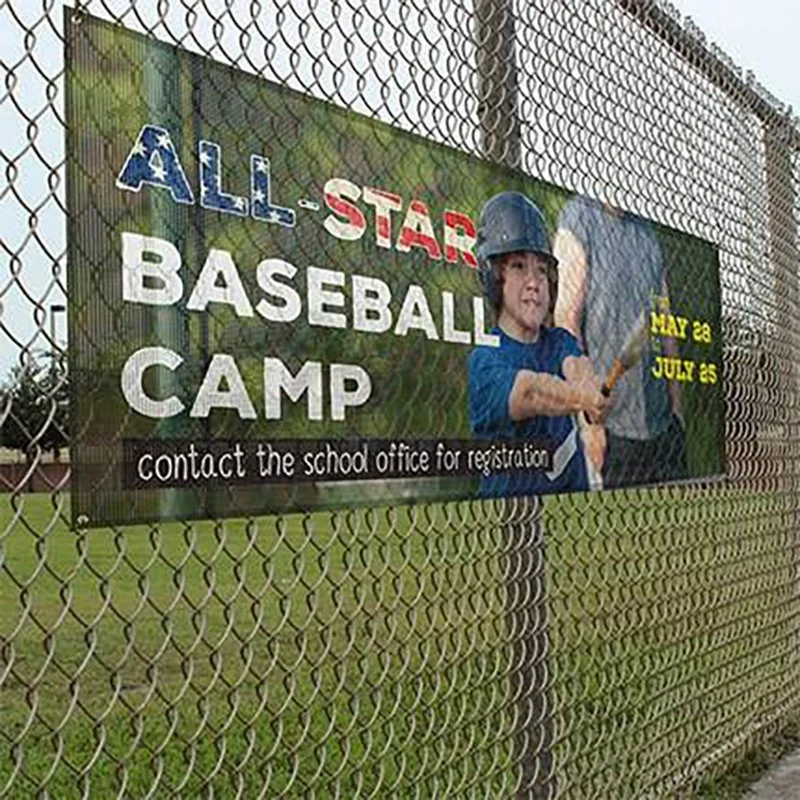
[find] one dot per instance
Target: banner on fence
(277, 304)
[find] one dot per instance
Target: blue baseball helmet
(511, 223)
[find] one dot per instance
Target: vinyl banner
(277, 304)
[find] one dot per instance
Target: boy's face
(526, 293)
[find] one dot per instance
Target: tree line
(34, 406)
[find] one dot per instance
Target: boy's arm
(541, 394)
(593, 435)
(579, 369)
(572, 274)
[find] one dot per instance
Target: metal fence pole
(523, 552)
(782, 234)
(497, 82)
(782, 231)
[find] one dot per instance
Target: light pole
(55, 308)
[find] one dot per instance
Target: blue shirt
(492, 372)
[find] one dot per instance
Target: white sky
(761, 35)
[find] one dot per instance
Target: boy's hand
(596, 405)
(579, 372)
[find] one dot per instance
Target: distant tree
(34, 405)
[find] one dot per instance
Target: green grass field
(367, 653)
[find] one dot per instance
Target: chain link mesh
(628, 647)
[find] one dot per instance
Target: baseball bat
(630, 354)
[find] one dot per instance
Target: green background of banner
(117, 81)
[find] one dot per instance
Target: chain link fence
(625, 645)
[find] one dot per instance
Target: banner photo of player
(281, 305)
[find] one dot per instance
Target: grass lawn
(366, 653)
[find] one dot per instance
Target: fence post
(497, 82)
(784, 257)
(523, 551)
(782, 234)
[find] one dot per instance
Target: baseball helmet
(511, 223)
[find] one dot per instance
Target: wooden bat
(631, 353)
